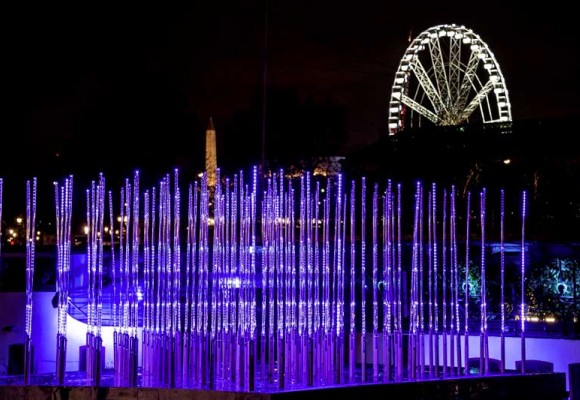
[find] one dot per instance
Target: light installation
(273, 283)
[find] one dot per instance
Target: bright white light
(235, 283)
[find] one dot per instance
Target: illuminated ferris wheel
(447, 76)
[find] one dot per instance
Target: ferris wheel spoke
(468, 78)
(482, 94)
(455, 70)
(439, 67)
(427, 85)
(409, 102)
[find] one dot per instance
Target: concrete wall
(44, 330)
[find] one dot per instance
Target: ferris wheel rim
(450, 102)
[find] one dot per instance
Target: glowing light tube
(522, 282)
(466, 282)
(63, 201)
(502, 282)
(30, 264)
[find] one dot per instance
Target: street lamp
(19, 229)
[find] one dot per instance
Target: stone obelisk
(210, 155)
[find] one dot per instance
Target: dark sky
(150, 72)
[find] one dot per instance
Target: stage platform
(529, 386)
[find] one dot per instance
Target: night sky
(131, 84)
